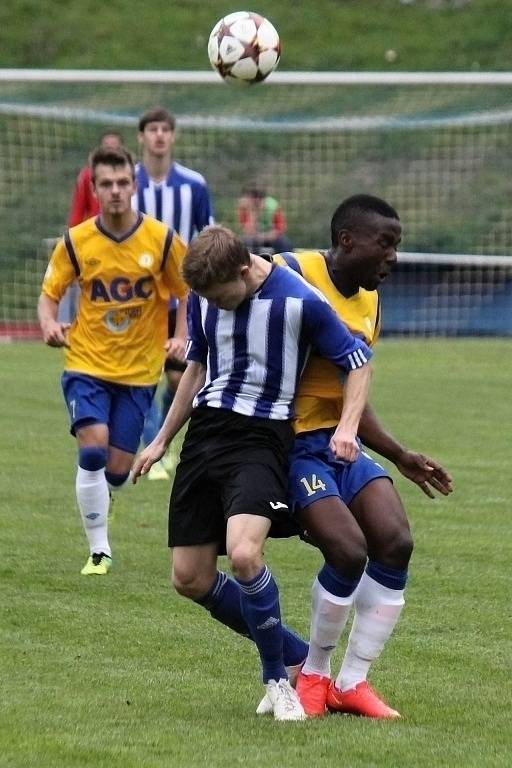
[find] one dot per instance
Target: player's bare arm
(190, 383)
(54, 333)
(175, 346)
(343, 443)
(426, 472)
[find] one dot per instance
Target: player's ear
(345, 240)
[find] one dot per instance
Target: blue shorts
(121, 407)
(315, 473)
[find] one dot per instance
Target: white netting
(436, 147)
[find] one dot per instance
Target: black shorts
(230, 464)
(172, 365)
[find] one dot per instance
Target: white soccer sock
(377, 611)
(329, 614)
(93, 502)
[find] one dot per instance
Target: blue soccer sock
(335, 582)
(223, 602)
(295, 648)
(392, 578)
(260, 607)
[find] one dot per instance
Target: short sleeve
(174, 253)
(60, 272)
(203, 213)
(330, 338)
(197, 345)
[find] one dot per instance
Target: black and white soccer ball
(244, 47)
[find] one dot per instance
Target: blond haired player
(127, 265)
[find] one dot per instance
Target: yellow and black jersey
(125, 284)
(319, 399)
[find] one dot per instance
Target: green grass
(315, 35)
(121, 673)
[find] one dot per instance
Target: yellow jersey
(319, 399)
(125, 285)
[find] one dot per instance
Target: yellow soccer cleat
(158, 472)
(98, 564)
(169, 461)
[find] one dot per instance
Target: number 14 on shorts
(312, 484)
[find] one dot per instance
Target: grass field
(354, 34)
(120, 673)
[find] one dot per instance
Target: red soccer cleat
(361, 700)
(312, 692)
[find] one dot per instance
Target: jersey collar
(123, 237)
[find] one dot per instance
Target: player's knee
(347, 554)
(395, 551)
(188, 583)
(402, 548)
(92, 457)
(245, 559)
(116, 482)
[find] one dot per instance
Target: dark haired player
(351, 511)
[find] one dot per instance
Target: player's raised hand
(344, 446)
(145, 460)
(55, 333)
(427, 473)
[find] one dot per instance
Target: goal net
(437, 147)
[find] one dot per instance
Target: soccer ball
(244, 47)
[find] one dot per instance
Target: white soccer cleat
(284, 700)
(265, 706)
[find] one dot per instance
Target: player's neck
(260, 270)
(157, 167)
(120, 223)
(343, 281)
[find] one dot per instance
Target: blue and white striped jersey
(181, 201)
(254, 355)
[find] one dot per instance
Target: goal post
(435, 145)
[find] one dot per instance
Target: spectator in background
(179, 197)
(262, 220)
(84, 205)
